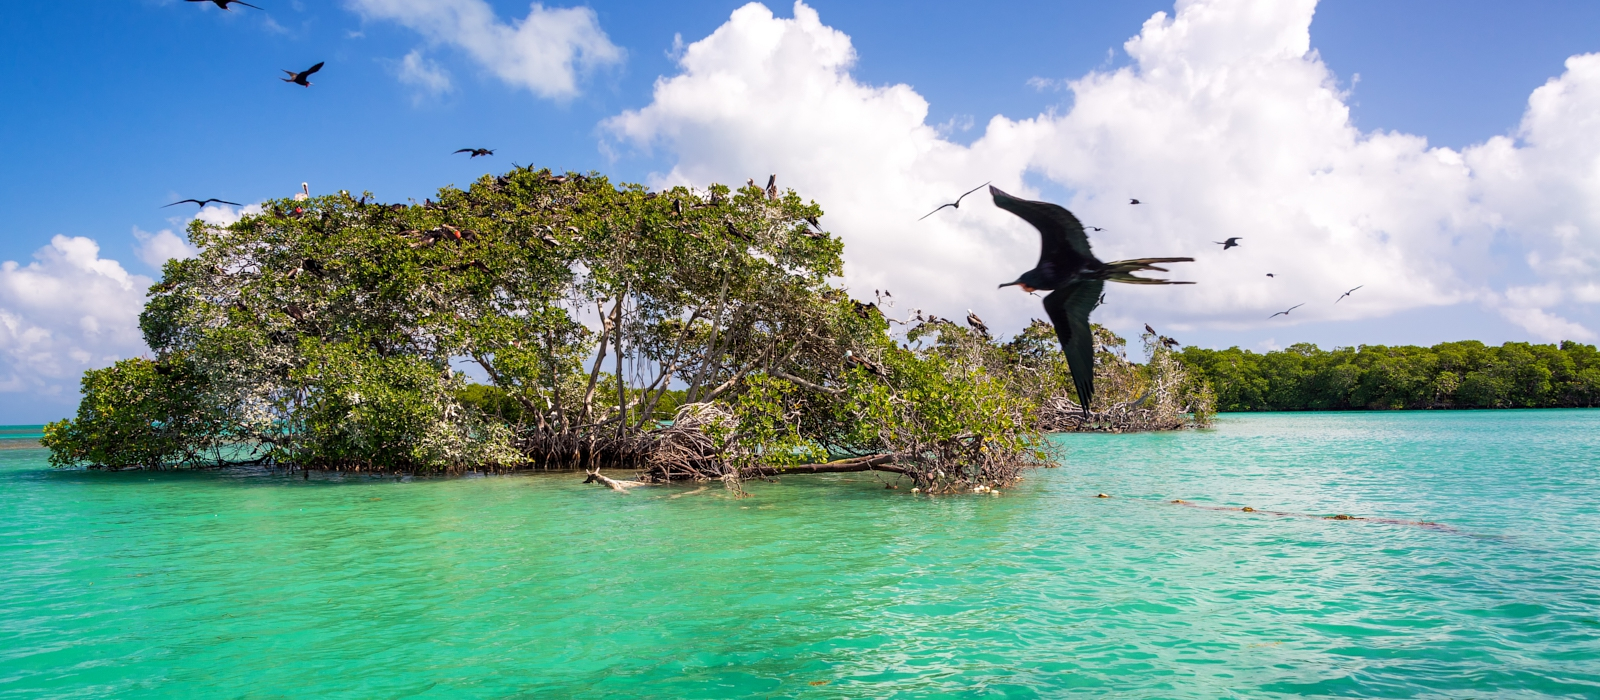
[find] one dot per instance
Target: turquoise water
(256, 585)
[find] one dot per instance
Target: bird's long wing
(964, 194)
(246, 4)
(1069, 309)
(1063, 243)
(313, 69)
(463, 150)
(931, 213)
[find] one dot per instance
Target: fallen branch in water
(615, 485)
(879, 463)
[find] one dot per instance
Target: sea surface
(254, 584)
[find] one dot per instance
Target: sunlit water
(258, 585)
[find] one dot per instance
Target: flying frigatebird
(225, 3)
(201, 202)
(954, 205)
(1229, 243)
(475, 152)
(1286, 312)
(1342, 296)
(301, 78)
(1074, 276)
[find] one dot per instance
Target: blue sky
(120, 108)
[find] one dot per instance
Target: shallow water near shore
(252, 584)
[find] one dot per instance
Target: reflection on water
(249, 583)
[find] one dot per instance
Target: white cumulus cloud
(1225, 123)
(545, 52)
(155, 249)
(67, 311)
(423, 74)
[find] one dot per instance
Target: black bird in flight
(201, 202)
(1342, 296)
(1286, 313)
(954, 205)
(301, 77)
(225, 3)
(1096, 229)
(1075, 277)
(474, 151)
(1275, 277)
(1135, 201)
(1230, 243)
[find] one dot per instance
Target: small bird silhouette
(1149, 330)
(1094, 228)
(954, 205)
(1286, 313)
(474, 151)
(225, 3)
(1272, 275)
(1230, 243)
(1135, 201)
(1068, 267)
(977, 324)
(301, 77)
(1342, 296)
(201, 202)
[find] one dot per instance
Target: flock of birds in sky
(303, 79)
(1067, 268)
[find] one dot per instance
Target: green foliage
(138, 414)
(1464, 374)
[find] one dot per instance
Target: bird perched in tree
(304, 193)
(1149, 330)
(977, 324)
(301, 77)
(201, 202)
(1075, 277)
(772, 187)
(1286, 311)
(225, 3)
(865, 364)
(953, 205)
(1342, 296)
(475, 152)
(1230, 243)
(865, 309)
(1135, 201)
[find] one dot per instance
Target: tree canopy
(690, 333)
(1465, 374)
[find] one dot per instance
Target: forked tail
(1122, 270)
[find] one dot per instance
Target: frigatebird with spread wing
(1074, 277)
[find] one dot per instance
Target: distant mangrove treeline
(1465, 374)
